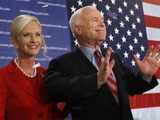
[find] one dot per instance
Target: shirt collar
(88, 52)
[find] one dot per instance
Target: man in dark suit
(82, 81)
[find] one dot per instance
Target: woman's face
(29, 41)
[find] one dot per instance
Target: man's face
(93, 29)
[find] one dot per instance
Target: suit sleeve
(135, 83)
(3, 97)
(62, 84)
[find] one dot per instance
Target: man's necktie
(111, 81)
(98, 57)
(112, 84)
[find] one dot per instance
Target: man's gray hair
(76, 19)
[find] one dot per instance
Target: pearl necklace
(26, 74)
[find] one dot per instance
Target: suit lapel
(84, 61)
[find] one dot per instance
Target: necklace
(26, 74)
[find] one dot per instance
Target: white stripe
(51, 4)
(153, 33)
(6, 45)
(151, 9)
(4, 9)
(57, 48)
(55, 26)
(24, 0)
(155, 89)
(150, 113)
(6, 57)
(5, 21)
(4, 33)
(34, 12)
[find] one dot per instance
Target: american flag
(148, 104)
(132, 25)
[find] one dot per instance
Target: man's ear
(77, 29)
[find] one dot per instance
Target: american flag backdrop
(132, 25)
(147, 106)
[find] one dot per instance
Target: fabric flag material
(132, 25)
(147, 106)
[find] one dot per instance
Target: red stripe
(146, 100)
(153, 1)
(152, 21)
(158, 73)
(154, 43)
